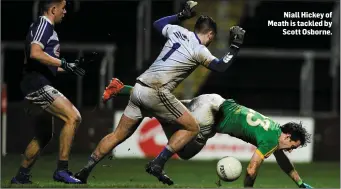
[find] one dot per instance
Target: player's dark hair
(297, 132)
(205, 24)
(44, 5)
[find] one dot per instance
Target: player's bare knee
(193, 128)
(189, 123)
(77, 119)
(74, 119)
(196, 129)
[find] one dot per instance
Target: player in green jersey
(252, 127)
(269, 137)
(218, 115)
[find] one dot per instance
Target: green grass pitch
(129, 173)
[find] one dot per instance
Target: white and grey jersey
(181, 54)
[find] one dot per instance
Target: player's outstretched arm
(285, 164)
(186, 13)
(252, 169)
(236, 39)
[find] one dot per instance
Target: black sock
(23, 171)
(62, 165)
(163, 157)
(93, 160)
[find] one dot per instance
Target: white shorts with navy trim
(44, 97)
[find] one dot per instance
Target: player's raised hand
(305, 185)
(72, 67)
(236, 35)
(188, 11)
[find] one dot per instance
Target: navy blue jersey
(36, 75)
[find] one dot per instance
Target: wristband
(299, 182)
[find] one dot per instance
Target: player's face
(288, 145)
(210, 37)
(59, 11)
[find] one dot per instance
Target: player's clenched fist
(236, 35)
(188, 11)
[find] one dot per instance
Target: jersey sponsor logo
(56, 50)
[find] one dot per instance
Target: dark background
(115, 22)
(260, 83)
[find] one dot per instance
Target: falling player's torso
(246, 124)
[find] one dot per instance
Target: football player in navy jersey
(41, 65)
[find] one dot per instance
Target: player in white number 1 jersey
(152, 95)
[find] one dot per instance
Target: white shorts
(148, 102)
(44, 97)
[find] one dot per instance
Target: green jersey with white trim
(250, 126)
